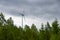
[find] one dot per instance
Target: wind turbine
(22, 18)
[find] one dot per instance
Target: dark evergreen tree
(2, 19)
(34, 32)
(55, 27)
(47, 31)
(10, 22)
(27, 32)
(42, 33)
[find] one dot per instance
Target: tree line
(9, 31)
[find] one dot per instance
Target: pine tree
(47, 31)
(2, 19)
(55, 27)
(55, 30)
(34, 32)
(42, 35)
(10, 22)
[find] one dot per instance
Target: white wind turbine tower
(22, 18)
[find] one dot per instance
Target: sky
(35, 11)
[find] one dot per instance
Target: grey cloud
(36, 8)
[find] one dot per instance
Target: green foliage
(47, 31)
(55, 27)
(42, 33)
(2, 19)
(8, 31)
(9, 22)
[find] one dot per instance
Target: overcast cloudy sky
(35, 11)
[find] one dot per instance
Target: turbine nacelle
(22, 14)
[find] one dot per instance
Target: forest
(9, 31)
